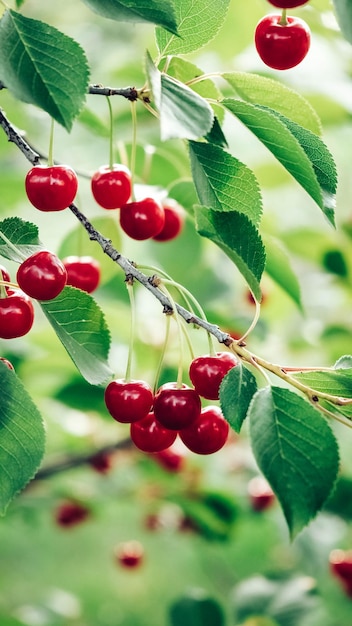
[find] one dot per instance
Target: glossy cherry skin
(261, 496)
(341, 567)
(208, 433)
(149, 435)
(111, 188)
(71, 513)
(16, 315)
(206, 373)
(128, 402)
(42, 276)
(282, 46)
(83, 272)
(51, 188)
(176, 407)
(142, 219)
(287, 4)
(129, 554)
(174, 220)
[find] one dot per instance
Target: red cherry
(7, 363)
(150, 436)
(71, 513)
(206, 373)
(128, 401)
(287, 4)
(111, 188)
(282, 46)
(83, 272)
(51, 188)
(129, 554)
(42, 276)
(261, 495)
(102, 462)
(174, 220)
(142, 219)
(176, 407)
(16, 315)
(341, 567)
(208, 433)
(4, 275)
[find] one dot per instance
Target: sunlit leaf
(22, 439)
(160, 12)
(296, 450)
(42, 66)
(18, 239)
(336, 382)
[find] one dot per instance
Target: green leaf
(336, 382)
(160, 12)
(196, 608)
(42, 66)
(343, 10)
(236, 392)
(80, 326)
(270, 93)
(23, 237)
(237, 236)
(198, 23)
(344, 362)
(279, 269)
(302, 153)
(183, 113)
(224, 183)
(296, 450)
(22, 437)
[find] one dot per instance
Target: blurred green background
(197, 526)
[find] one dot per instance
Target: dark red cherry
(341, 567)
(70, 513)
(208, 433)
(150, 436)
(176, 407)
(42, 276)
(111, 187)
(83, 272)
(51, 188)
(142, 219)
(206, 373)
(287, 4)
(16, 315)
(174, 220)
(128, 401)
(261, 496)
(129, 554)
(282, 46)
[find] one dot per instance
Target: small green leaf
(279, 269)
(197, 23)
(302, 153)
(224, 183)
(270, 93)
(236, 392)
(196, 608)
(296, 450)
(237, 236)
(22, 437)
(80, 326)
(42, 66)
(344, 362)
(343, 10)
(23, 237)
(336, 382)
(160, 12)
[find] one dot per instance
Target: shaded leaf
(42, 66)
(23, 237)
(197, 23)
(236, 392)
(302, 153)
(196, 608)
(80, 325)
(344, 362)
(343, 10)
(160, 12)
(278, 267)
(237, 236)
(22, 439)
(267, 92)
(224, 183)
(296, 450)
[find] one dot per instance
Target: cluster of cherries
(175, 409)
(282, 41)
(42, 276)
(53, 188)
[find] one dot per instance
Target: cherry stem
(162, 355)
(133, 146)
(130, 291)
(283, 19)
(180, 335)
(111, 135)
(149, 152)
(51, 144)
